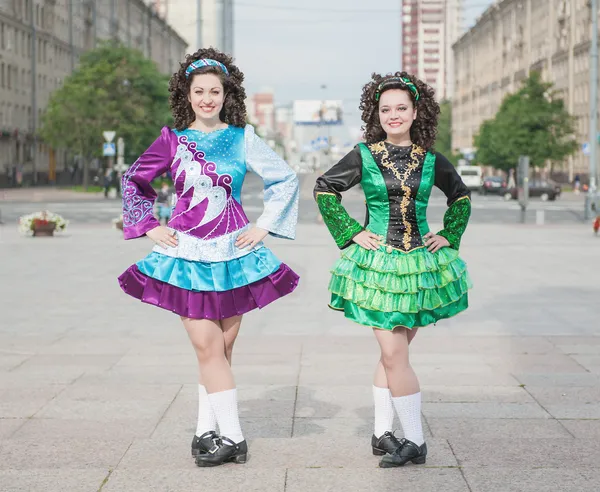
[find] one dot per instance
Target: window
(3, 76)
(9, 76)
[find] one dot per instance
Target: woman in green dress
(394, 274)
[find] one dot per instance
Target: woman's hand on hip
(367, 240)
(435, 242)
(251, 238)
(163, 237)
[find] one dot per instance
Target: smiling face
(396, 113)
(206, 97)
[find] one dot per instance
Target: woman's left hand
(434, 242)
(251, 238)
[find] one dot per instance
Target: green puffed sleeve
(328, 189)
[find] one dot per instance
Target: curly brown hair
(423, 130)
(234, 106)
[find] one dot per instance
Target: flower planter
(119, 225)
(42, 230)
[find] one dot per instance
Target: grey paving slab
(496, 428)
(334, 402)
(335, 427)
(25, 402)
(40, 377)
(590, 362)
(324, 452)
(583, 428)
(105, 402)
(546, 363)
(492, 479)
(482, 410)
(540, 332)
(474, 394)
(230, 478)
(376, 480)
(73, 480)
(99, 429)
(10, 361)
(44, 452)
(558, 380)
(517, 452)
(9, 426)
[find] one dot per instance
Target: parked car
(544, 189)
(471, 176)
(495, 185)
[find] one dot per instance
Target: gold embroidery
(415, 154)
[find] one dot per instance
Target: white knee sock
(225, 406)
(384, 411)
(206, 417)
(408, 409)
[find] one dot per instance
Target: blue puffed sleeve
(281, 191)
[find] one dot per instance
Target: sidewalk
(46, 194)
(98, 391)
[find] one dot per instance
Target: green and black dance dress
(401, 283)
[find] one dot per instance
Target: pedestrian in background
(164, 200)
(394, 274)
(210, 266)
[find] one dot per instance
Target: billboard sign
(313, 112)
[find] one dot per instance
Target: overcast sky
(294, 48)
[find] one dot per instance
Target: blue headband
(205, 62)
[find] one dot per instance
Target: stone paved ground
(98, 391)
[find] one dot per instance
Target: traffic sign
(109, 149)
(585, 147)
(109, 136)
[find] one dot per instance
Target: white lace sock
(384, 411)
(225, 406)
(206, 417)
(408, 409)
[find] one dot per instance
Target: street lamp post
(591, 197)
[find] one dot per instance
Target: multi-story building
(62, 30)
(429, 27)
(511, 39)
(212, 22)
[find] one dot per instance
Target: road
(486, 209)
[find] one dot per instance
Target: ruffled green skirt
(388, 290)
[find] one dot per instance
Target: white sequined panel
(281, 187)
(219, 249)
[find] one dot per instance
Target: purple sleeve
(138, 194)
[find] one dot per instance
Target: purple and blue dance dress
(206, 276)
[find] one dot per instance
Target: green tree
(114, 88)
(532, 121)
(443, 142)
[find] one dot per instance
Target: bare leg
(231, 328)
(208, 341)
(401, 378)
(380, 378)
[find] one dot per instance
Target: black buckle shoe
(386, 444)
(408, 451)
(204, 443)
(224, 453)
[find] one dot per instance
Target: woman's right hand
(368, 240)
(163, 237)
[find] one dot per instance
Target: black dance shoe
(386, 444)
(204, 443)
(224, 453)
(408, 451)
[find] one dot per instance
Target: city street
(82, 209)
(98, 391)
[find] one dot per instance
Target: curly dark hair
(234, 106)
(423, 130)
